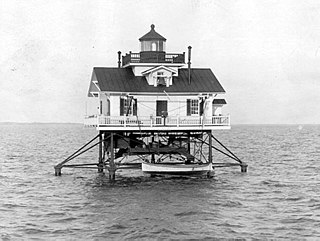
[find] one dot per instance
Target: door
(162, 108)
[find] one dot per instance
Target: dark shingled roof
(123, 80)
(219, 102)
(152, 35)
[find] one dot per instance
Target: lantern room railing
(153, 57)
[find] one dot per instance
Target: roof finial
(152, 26)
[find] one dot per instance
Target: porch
(103, 122)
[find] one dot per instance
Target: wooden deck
(158, 123)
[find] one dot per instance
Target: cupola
(152, 53)
(152, 41)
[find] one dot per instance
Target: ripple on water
(276, 199)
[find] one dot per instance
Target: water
(278, 198)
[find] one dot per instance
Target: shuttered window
(192, 107)
(134, 107)
(121, 106)
(128, 106)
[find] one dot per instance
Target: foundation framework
(174, 147)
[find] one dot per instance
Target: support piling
(210, 173)
(244, 167)
(182, 147)
(100, 164)
(112, 166)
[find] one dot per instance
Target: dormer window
(160, 76)
(161, 79)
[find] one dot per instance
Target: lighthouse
(155, 107)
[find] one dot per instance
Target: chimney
(119, 59)
(189, 64)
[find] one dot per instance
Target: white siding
(92, 104)
(177, 105)
(115, 105)
(146, 105)
(104, 98)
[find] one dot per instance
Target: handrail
(153, 57)
(154, 121)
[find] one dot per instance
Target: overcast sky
(266, 54)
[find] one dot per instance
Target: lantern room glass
(153, 45)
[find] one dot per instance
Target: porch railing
(154, 121)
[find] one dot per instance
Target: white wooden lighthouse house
(155, 106)
(152, 90)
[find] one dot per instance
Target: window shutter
(108, 107)
(188, 107)
(121, 106)
(201, 106)
(135, 107)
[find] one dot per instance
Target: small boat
(176, 169)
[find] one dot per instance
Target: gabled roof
(124, 80)
(157, 68)
(152, 35)
(94, 86)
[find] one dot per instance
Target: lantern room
(152, 41)
(152, 52)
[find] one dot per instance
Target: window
(161, 46)
(154, 46)
(160, 79)
(128, 106)
(192, 107)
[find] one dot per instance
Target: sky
(266, 53)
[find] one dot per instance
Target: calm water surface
(278, 198)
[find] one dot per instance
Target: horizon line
(79, 123)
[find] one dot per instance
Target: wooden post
(244, 167)
(188, 140)
(210, 146)
(100, 165)
(112, 167)
(57, 171)
(152, 155)
(209, 174)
